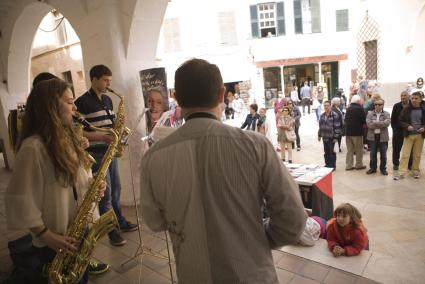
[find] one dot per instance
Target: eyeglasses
(285, 110)
(379, 104)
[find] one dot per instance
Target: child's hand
(338, 251)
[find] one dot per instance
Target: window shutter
(298, 17)
(280, 18)
(341, 20)
(315, 16)
(254, 21)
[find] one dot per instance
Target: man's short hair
(197, 83)
(355, 99)
(418, 93)
(43, 76)
(98, 71)
(254, 107)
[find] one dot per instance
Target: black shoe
(370, 171)
(116, 239)
(290, 161)
(298, 149)
(384, 172)
(128, 227)
(97, 267)
(349, 169)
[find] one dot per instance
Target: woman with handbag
(286, 133)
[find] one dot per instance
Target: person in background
(223, 179)
(412, 120)
(296, 114)
(306, 96)
(335, 107)
(345, 232)
(238, 106)
(262, 122)
(329, 131)
(378, 121)
(355, 121)
(280, 102)
(398, 135)
(250, 122)
(285, 127)
(294, 96)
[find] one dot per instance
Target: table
(315, 185)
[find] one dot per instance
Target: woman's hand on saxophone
(59, 243)
(102, 188)
(84, 143)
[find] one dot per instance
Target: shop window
(342, 20)
(267, 19)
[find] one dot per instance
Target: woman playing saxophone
(49, 180)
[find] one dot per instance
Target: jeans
(382, 147)
(113, 188)
(318, 112)
(297, 128)
(330, 155)
(306, 101)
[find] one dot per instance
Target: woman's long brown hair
(42, 118)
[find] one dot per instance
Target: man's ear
(221, 94)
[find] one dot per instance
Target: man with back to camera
(97, 108)
(210, 198)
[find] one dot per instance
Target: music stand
(142, 249)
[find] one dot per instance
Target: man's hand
(421, 130)
(319, 138)
(106, 137)
(335, 140)
(410, 128)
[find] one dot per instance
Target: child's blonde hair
(348, 209)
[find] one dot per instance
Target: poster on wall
(155, 95)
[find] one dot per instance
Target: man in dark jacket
(398, 137)
(412, 120)
(355, 120)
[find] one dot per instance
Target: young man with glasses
(378, 121)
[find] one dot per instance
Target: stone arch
(21, 39)
(144, 29)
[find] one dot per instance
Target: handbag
(290, 135)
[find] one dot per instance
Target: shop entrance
(296, 75)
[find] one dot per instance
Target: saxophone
(123, 131)
(69, 268)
